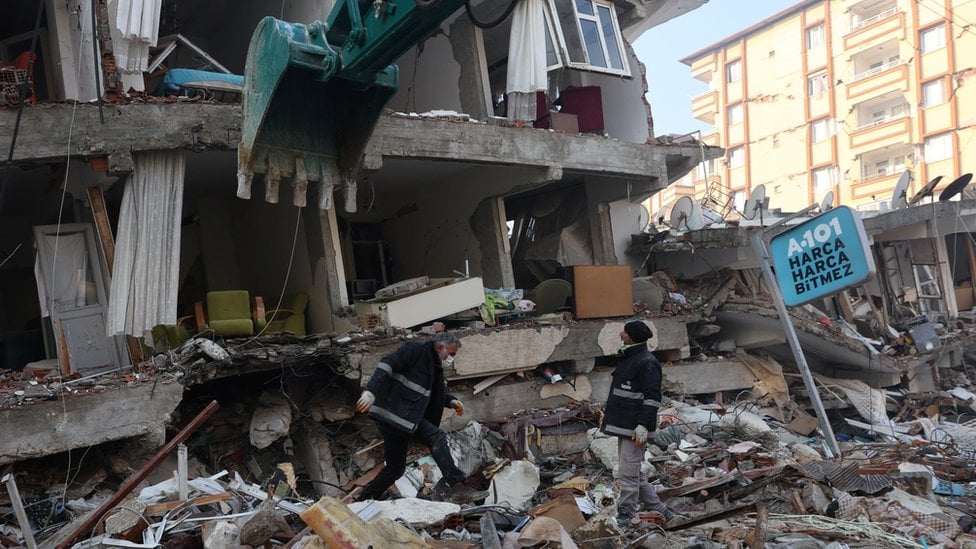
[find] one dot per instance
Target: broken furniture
(289, 316)
(602, 291)
(440, 298)
(170, 336)
(549, 296)
(229, 313)
(208, 77)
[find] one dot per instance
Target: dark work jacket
(635, 393)
(409, 386)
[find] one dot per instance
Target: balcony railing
(885, 120)
(874, 19)
(876, 70)
(888, 172)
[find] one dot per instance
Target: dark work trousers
(395, 452)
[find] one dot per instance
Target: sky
(670, 84)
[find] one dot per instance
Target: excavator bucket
(302, 120)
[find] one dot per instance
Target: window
(938, 147)
(704, 169)
(933, 93)
(815, 36)
(735, 114)
(821, 130)
(733, 71)
(824, 179)
(737, 157)
(817, 84)
(589, 34)
(739, 200)
(932, 39)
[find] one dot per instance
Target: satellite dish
(899, 198)
(956, 187)
(696, 220)
(926, 191)
(755, 202)
(681, 212)
(827, 203)
(659, 217)
(643, 218)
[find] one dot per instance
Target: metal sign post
(762, 254)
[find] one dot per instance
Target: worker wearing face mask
(631, 414)
(406, 397)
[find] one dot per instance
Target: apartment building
(836, 95)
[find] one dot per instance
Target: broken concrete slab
(412, 510)
(271, 419)
(315, 450)
(515, 484)
(83, 420)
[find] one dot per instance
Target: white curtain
(526, 59)
(137, 21)
(145, 277)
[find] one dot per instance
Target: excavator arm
(313, 93)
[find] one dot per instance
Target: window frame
(561, 46)
(945, 147)
(738, 119)
(935, 30)
(822, 75)
(938, 83)
(831, 174)
(820, 33)
(828, 129)
(739, 153)
(738, 72)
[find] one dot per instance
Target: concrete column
(469, 51)
(488, 223)
(332, 253)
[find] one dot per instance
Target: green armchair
(229, 313)
(550, 295)
(290, 316)
(167, 337)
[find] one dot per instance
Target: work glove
(458, 407)
(640, 436)
(365, 402)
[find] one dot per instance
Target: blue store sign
(822, 256)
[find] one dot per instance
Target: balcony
(881, 133)
(704, 106)
(874, 30)
(703, 67)
(890, 77)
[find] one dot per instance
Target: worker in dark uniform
(406, 397)
(631, 414)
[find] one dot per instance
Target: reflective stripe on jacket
(635, 393)
(409, 387)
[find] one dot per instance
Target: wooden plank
(96, 200)
(63, 353)
(602, 291)
(157, 509)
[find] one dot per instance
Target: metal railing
(888, 172)
(882, 121)
(876, 70)
(873, 19)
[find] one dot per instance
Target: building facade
(837, 95)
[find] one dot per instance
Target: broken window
(588, 36)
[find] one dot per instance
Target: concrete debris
(514, 485)
(271, 419)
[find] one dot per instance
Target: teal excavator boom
(313, 93)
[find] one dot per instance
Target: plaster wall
(434, 236)
(429, 77)
(625, 113)
(626, 218)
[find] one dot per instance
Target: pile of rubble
(750, 473)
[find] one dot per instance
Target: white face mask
(448, 361)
